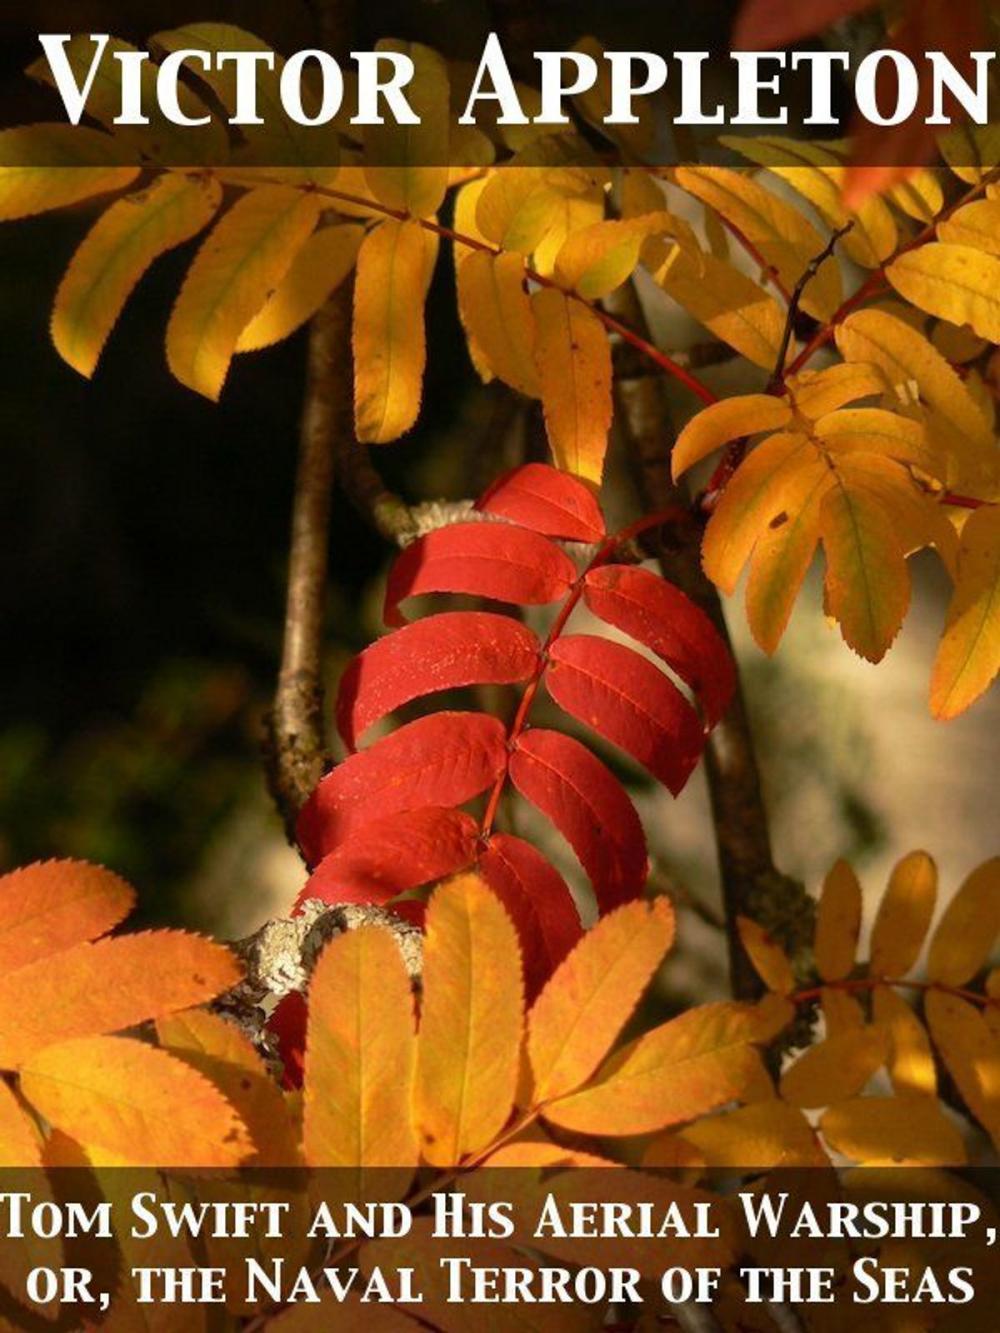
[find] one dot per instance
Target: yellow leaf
(360, 1051)
(918, 517)
(131, 1100)
(594, 260)
(311, 152)
(968, 657)
(911, 1060)
(769, 959)
(244, 257)
(816, 393)
(964, 939)
(543, 1153)
(160, 139)
(766, 488)
(954, 282)
(719, 424)
(674, 1073)
(496, 314)
(466, 201)
(729, 304)
(597, 259)
(867, 584)
(51, 905)
(471, 1024)
(762, 1136)
(834, 1069)
(781, 559)
(53, 166)
(957, 344)
(218, 1049)
(841, 1011)
(104, 987)
(838, 922)
(595, 106)
(815, 171)
(893, 1131)
(389, 339)
(919, 196)
(574, 367)
(517, 208)
(115, 254)
(571, 213)
(904, 916)
(873, 430)
(592, 994)
(906, 358)
(976, 225)
(409, 163)
(318, 269)
(971, 1054)
(971, 151)
(785, 239)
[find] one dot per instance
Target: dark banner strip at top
(213, 95)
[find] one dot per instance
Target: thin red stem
(964, 501)
(653, 353)
(520, 719)
(877, 279)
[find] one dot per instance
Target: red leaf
(493, 560)
(539, 902)
(660, 616)
(444, 759)
(589, 807)
(628, 700)
(439, 653)
(388, 856)
(765, 24)
(548, 501)
(288, 1027)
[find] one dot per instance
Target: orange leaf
(838, 922)
(134, 1102)
(769, 959)
(471, 1023)
(893, 1131)
(592, 994)
(764, 1135)
(676, 1072)
(389, 340)
(360, 1050)
(48, 906)
(911, 1060)
(104, 987)
(904, 916)
(967, 932)
(219, 1050)
(971, 1054)
(574, 367)
(834, 1069)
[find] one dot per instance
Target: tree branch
(751, 885)
(295, 748)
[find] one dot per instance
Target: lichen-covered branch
(296, 745)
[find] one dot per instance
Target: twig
(876, 280)
(296, 748)
(805, 278)
(751, 885)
